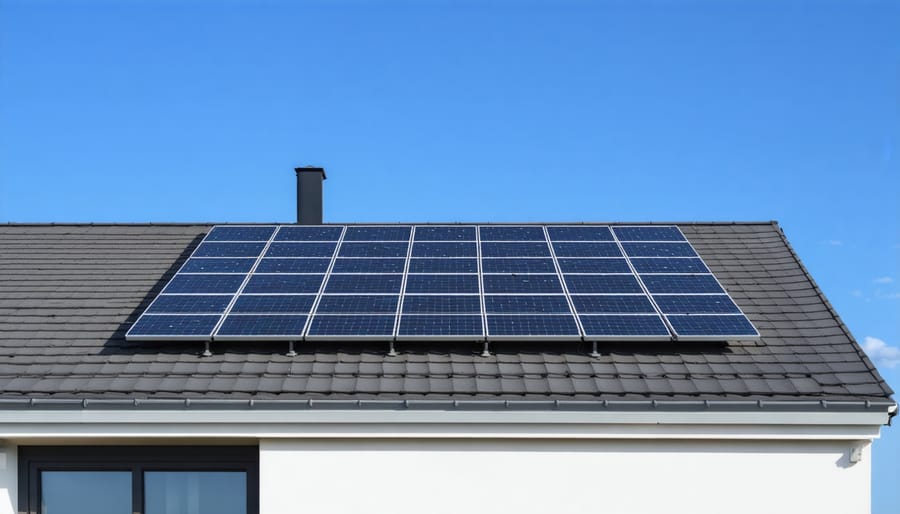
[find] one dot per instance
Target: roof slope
(68, 294)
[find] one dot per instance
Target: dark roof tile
(70, 291)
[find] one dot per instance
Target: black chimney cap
(311, 168)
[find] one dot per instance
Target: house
(93, 422)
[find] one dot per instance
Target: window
(142, 480)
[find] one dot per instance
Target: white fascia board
(275, 424)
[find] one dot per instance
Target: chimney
(309, 195)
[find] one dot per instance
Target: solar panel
(696, 304)
(363, 284)
(464, 249)
(378, 327)
(398, 233)
(184, 303)
(444, 283)
(712, 326)
(288, 284)
(438, 304)
(586, 233)
(669, 265)
(308, 233)
(362, 265)
(596, 282)
(204, 284)
(358, 304)
(522, 284)
(648, 234)
(514, 250)
(681, 284)
(229, 250)
(605, 284)
(520, 265)
(605, 304)
(373, 249)
(546, 304)
(178, 326)
(443, 266)
(512, 233)
(218, 265)
(594, 266)
(618, 326)
(447, 325)
(587, 250)
(301, 250)
(279, 303)
(285, 265)
(501, 326)
(262, 326)
(240, 234)
(430, 233)
(659, 250)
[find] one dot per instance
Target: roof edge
(859, 351)
(453, 405)
(211, 223)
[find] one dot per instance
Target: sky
(136, 111)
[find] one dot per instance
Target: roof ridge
(211, 223)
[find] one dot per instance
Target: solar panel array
(461, 282)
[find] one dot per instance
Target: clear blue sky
(461, 111)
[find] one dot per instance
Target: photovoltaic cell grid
(489, 282)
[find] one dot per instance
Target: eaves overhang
(74, 420)
(655, 405)
(692, 411)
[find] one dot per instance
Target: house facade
(92, 422)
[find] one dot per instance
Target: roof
(68, 294)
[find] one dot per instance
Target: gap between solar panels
(477, 283)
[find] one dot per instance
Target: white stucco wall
(496, 462)
(609, 476)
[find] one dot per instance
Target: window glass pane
(86, 492)
(195, 492)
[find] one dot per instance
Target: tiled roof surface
(68, 294)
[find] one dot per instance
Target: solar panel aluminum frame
(562, 282)
(159, 337)
(349, 337)
(268, 337)
(403, 293)
(675, 335)
(599, 338)
(717, 337)
(436, 337)
(337, 252)
(486, 336)
(129, 336)
(561, 337)
(258, 337)
(518, 337)
(318, 295)
(596, 338)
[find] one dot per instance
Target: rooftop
(69, 292)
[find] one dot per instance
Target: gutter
(871, 406)
(26, 421)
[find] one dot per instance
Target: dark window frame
(137, 460)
